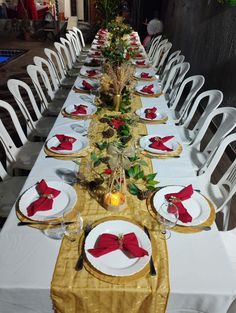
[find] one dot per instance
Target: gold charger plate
(117, 279)
(76, 117)
(153, 95)
(179, 228)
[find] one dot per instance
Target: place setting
(146, 74)
(66, 146)
(90, 72)
(142, 63)
(154, 146)
(82, 110)
(181, 209)
(44, 204)
(151, 115)
(86, 86)
(116, 250)
(148, 90)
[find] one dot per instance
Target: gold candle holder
(115, 201)
(116, 102)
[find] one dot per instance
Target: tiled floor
(17, 69)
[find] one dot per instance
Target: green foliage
(107, 10)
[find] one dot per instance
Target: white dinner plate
(197, 206)
(64, 202)
(146, 63)
(149, 71)
(145, 142)
(96, 47)
(116, 263)
(93, 82)
(156, 89)
(91, 109)
(84, 70)
(78, 145)
(141, 113)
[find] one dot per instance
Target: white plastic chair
(24, 156)
(45, 65)
(161, 55)
(55, 61)
(67, 43)
(81, 39)
(40, 78)
(42, 125)
(174, 80)
(169, 65)
(215, 98)
(76, 42)
(174, 55)
(10, 187)
(153, 47)
(71, 36)
(179, 108)
(221, 192)
(198, 154)
(66, 61)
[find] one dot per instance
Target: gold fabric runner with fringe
(89, 291)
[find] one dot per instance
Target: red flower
(107, 171)
(127, 57)
(116, 123)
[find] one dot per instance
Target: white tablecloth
(201, 278)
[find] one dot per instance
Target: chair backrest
(8, 144)
(215, 97)
(196, 82)
(175, 78)
(55, 61)
(161, 55)
(173, 55)
(67, 43)
(227, 183)
(227, 124)
(71, 36)
(45, 64)
(64, 56)
(78, 41)
(154, 45)
(16, 87)
(36, 72)
(3, 173)
(80, 35)
(172, 62)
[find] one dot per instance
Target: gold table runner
(83, 291)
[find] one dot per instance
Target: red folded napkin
(101, 42)
(145, 75)
(79, 109)
(99, 47)
(140, 62)
(66, 142)
(150, 113)
(87, 86)
(133, 44)
(97, 53)
(44, 203)
(127, 243)
(91, 73)
(139, 55)
(148, 89)
(177, 199)
(158, 143)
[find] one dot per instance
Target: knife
(44, 223)
(80, 262)
(152, 267)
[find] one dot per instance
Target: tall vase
(116, 102)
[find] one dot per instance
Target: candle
(114, 200)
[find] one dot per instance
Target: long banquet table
(201, 278)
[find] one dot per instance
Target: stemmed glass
(71, 231)
(167, 216)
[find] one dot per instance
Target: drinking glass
(167, 217)
(80, 127)
(71, 231)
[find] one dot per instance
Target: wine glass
(72, 227)
(167, 217)
(80, 127)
